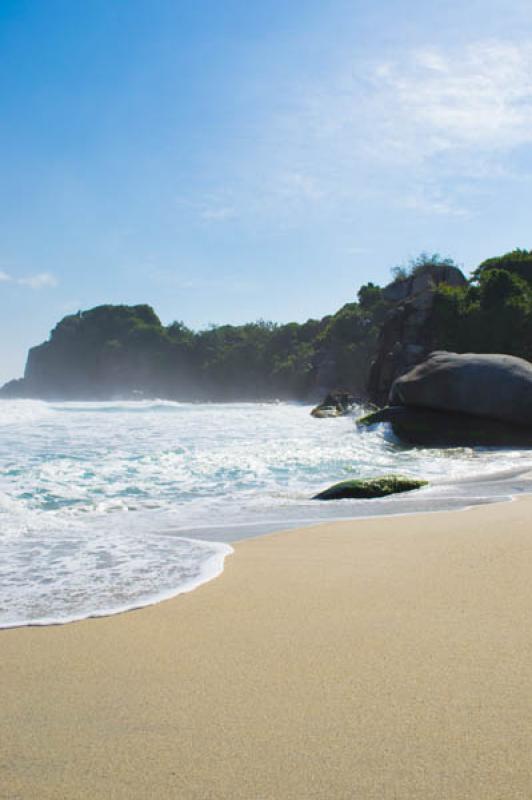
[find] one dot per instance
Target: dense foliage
(125, 350)
(493, 313)
(113, 350)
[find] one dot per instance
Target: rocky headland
(353, 355)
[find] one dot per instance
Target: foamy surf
(109, 506)
(58, 583)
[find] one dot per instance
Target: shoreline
(227, 549)
(188, 586)
(72, 549)
(378, 658)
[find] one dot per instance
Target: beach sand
(379, 659)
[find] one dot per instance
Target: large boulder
(494, 386)
(429, 428)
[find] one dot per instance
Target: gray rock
(428, 428)
(422, 281)
(406, 335)
(336, 404)
(495, 386)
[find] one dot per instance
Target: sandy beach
(386, 658)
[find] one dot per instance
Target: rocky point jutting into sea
(111, 500)
(125, 352)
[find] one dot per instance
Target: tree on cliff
(420, 263)
(492, 314)
(123, 350)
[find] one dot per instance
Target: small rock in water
(336, 404)
(370, 487)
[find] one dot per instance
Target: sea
(111, 506)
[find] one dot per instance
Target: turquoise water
(110, 506)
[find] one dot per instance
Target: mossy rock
(370, 487)
(375, 417)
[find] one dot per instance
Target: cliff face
(97, 353)
(116, 352)
(125, 351)
(406, 335)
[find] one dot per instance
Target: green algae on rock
(370, 487)
(374, 417)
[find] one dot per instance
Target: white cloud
(427, 202)
(210, 207)
(428, 129)
(440, 101)
(299, 185)
(432, 59)
(416, 128)
(39, 281)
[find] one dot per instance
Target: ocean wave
(47, 579)
(120, 476)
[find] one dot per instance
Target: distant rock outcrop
(405, 337)
(15, 389)
(119, 351)
(105, 352)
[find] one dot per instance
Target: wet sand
(380, 659)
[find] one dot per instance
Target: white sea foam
(107, 506)
(59, 576)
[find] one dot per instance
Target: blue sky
(233, 161)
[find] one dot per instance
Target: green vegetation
(121, 350)
(423, 260)
(518, 262)
(492, 314)
(125, 350)
(370, 487)
(373, 418)
(348, 340)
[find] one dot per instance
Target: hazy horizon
(231, 162)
